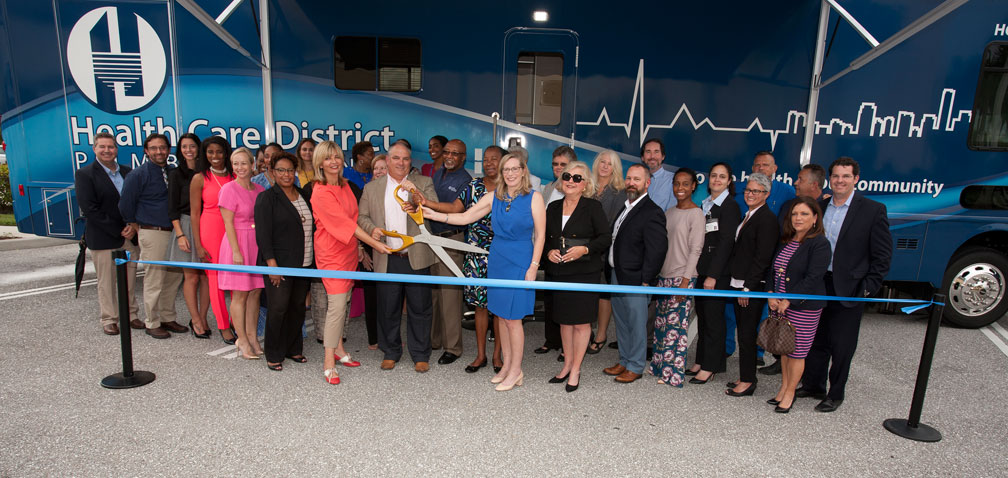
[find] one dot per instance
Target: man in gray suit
(379, 210)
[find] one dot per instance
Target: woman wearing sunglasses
(577, 236)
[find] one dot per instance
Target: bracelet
(535, 263)
(180, 236)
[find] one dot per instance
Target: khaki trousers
(337, 307)
(446, 328)
(161, 284)
(108, 290)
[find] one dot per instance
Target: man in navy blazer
(858, 231)
(639, 243)
(98, 186)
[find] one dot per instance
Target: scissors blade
(447, 260)
(452, 244)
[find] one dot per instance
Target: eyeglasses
(755, 191)
(577, 178)
(453, 153)
(514, 169)
(283, 171)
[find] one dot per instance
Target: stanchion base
(118, 380)
(922, 432)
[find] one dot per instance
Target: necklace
(507, 200)
(219, 172)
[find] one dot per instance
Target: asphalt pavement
(209, 414)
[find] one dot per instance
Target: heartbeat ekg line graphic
(877, 125)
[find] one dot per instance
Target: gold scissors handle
(406, 240)
(416, 215)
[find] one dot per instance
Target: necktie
(164, 175)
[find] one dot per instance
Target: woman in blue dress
(518, 215)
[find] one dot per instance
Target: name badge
(712, 225)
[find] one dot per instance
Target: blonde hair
(247, 152)
(589, 190)
(616, 180)
(324, 151)
(524, 187)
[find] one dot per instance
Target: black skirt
(575, 307)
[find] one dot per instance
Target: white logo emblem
(120, 70)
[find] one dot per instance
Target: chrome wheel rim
(977, 289)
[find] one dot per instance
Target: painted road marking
(989, 332)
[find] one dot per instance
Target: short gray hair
(761, 179)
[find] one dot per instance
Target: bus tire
(975, 283)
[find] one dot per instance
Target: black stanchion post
(912, 428)
(128, 378)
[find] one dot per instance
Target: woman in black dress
(577, 237)
(195, 288)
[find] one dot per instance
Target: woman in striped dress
(798, 268)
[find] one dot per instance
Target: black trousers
(552, 328)
(285, 314)
(833, 347)
(419, 310)
(747, 320)
(710, 351)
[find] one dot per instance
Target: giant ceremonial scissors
(436, 243)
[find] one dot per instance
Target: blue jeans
(630, 313)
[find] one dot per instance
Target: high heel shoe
(331, 376)
(570, 388)
(204, 335)
(475, 368)
(231, 341)
(690, 373)
(503, 388)
(346, 361)
(773, 401)
(744, 393)
(555, 379)
(697, 381)
(780, 409)
(496, 378)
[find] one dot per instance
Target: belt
(155, 228)
(400, 254)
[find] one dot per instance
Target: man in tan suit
(379, 210)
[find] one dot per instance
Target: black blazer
(99, 203)
(639, 246)
(587, 222)
(717, 246)
(804, 272)
(754, 249)
(278, 228)
(863, 251)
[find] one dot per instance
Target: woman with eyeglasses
(755, 243)
(577, 237)
(519, 217)
(284, 229)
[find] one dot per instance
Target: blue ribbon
(913, 304)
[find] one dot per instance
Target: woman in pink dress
(213, 171)
(336, 248)
(237, 207)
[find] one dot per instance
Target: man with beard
(145, 207)
(635, 258)
(653, 156)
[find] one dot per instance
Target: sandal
(331, 376)
(276, 367)
(596, 346)
(298, 358)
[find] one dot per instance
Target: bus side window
(382, 64)
(991, 198)
(539, 89)
(989, 125)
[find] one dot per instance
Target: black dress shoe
(560, 358)
(772, 369)
(774, 401)
(697, 381)
(497, 369)
(570, 388)
(780, 409)
(447, 358)
(545, 348)
(690, 373)
(555, 379)
(475, 368)
(828, 405)
(744, 393)
(803, 392)
(613, 345)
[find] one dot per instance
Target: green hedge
(6, 200)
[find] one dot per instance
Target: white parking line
(1000, 330)
(994, 338)
(229, 348)
(51, 288)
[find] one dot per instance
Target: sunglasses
(577, 178)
